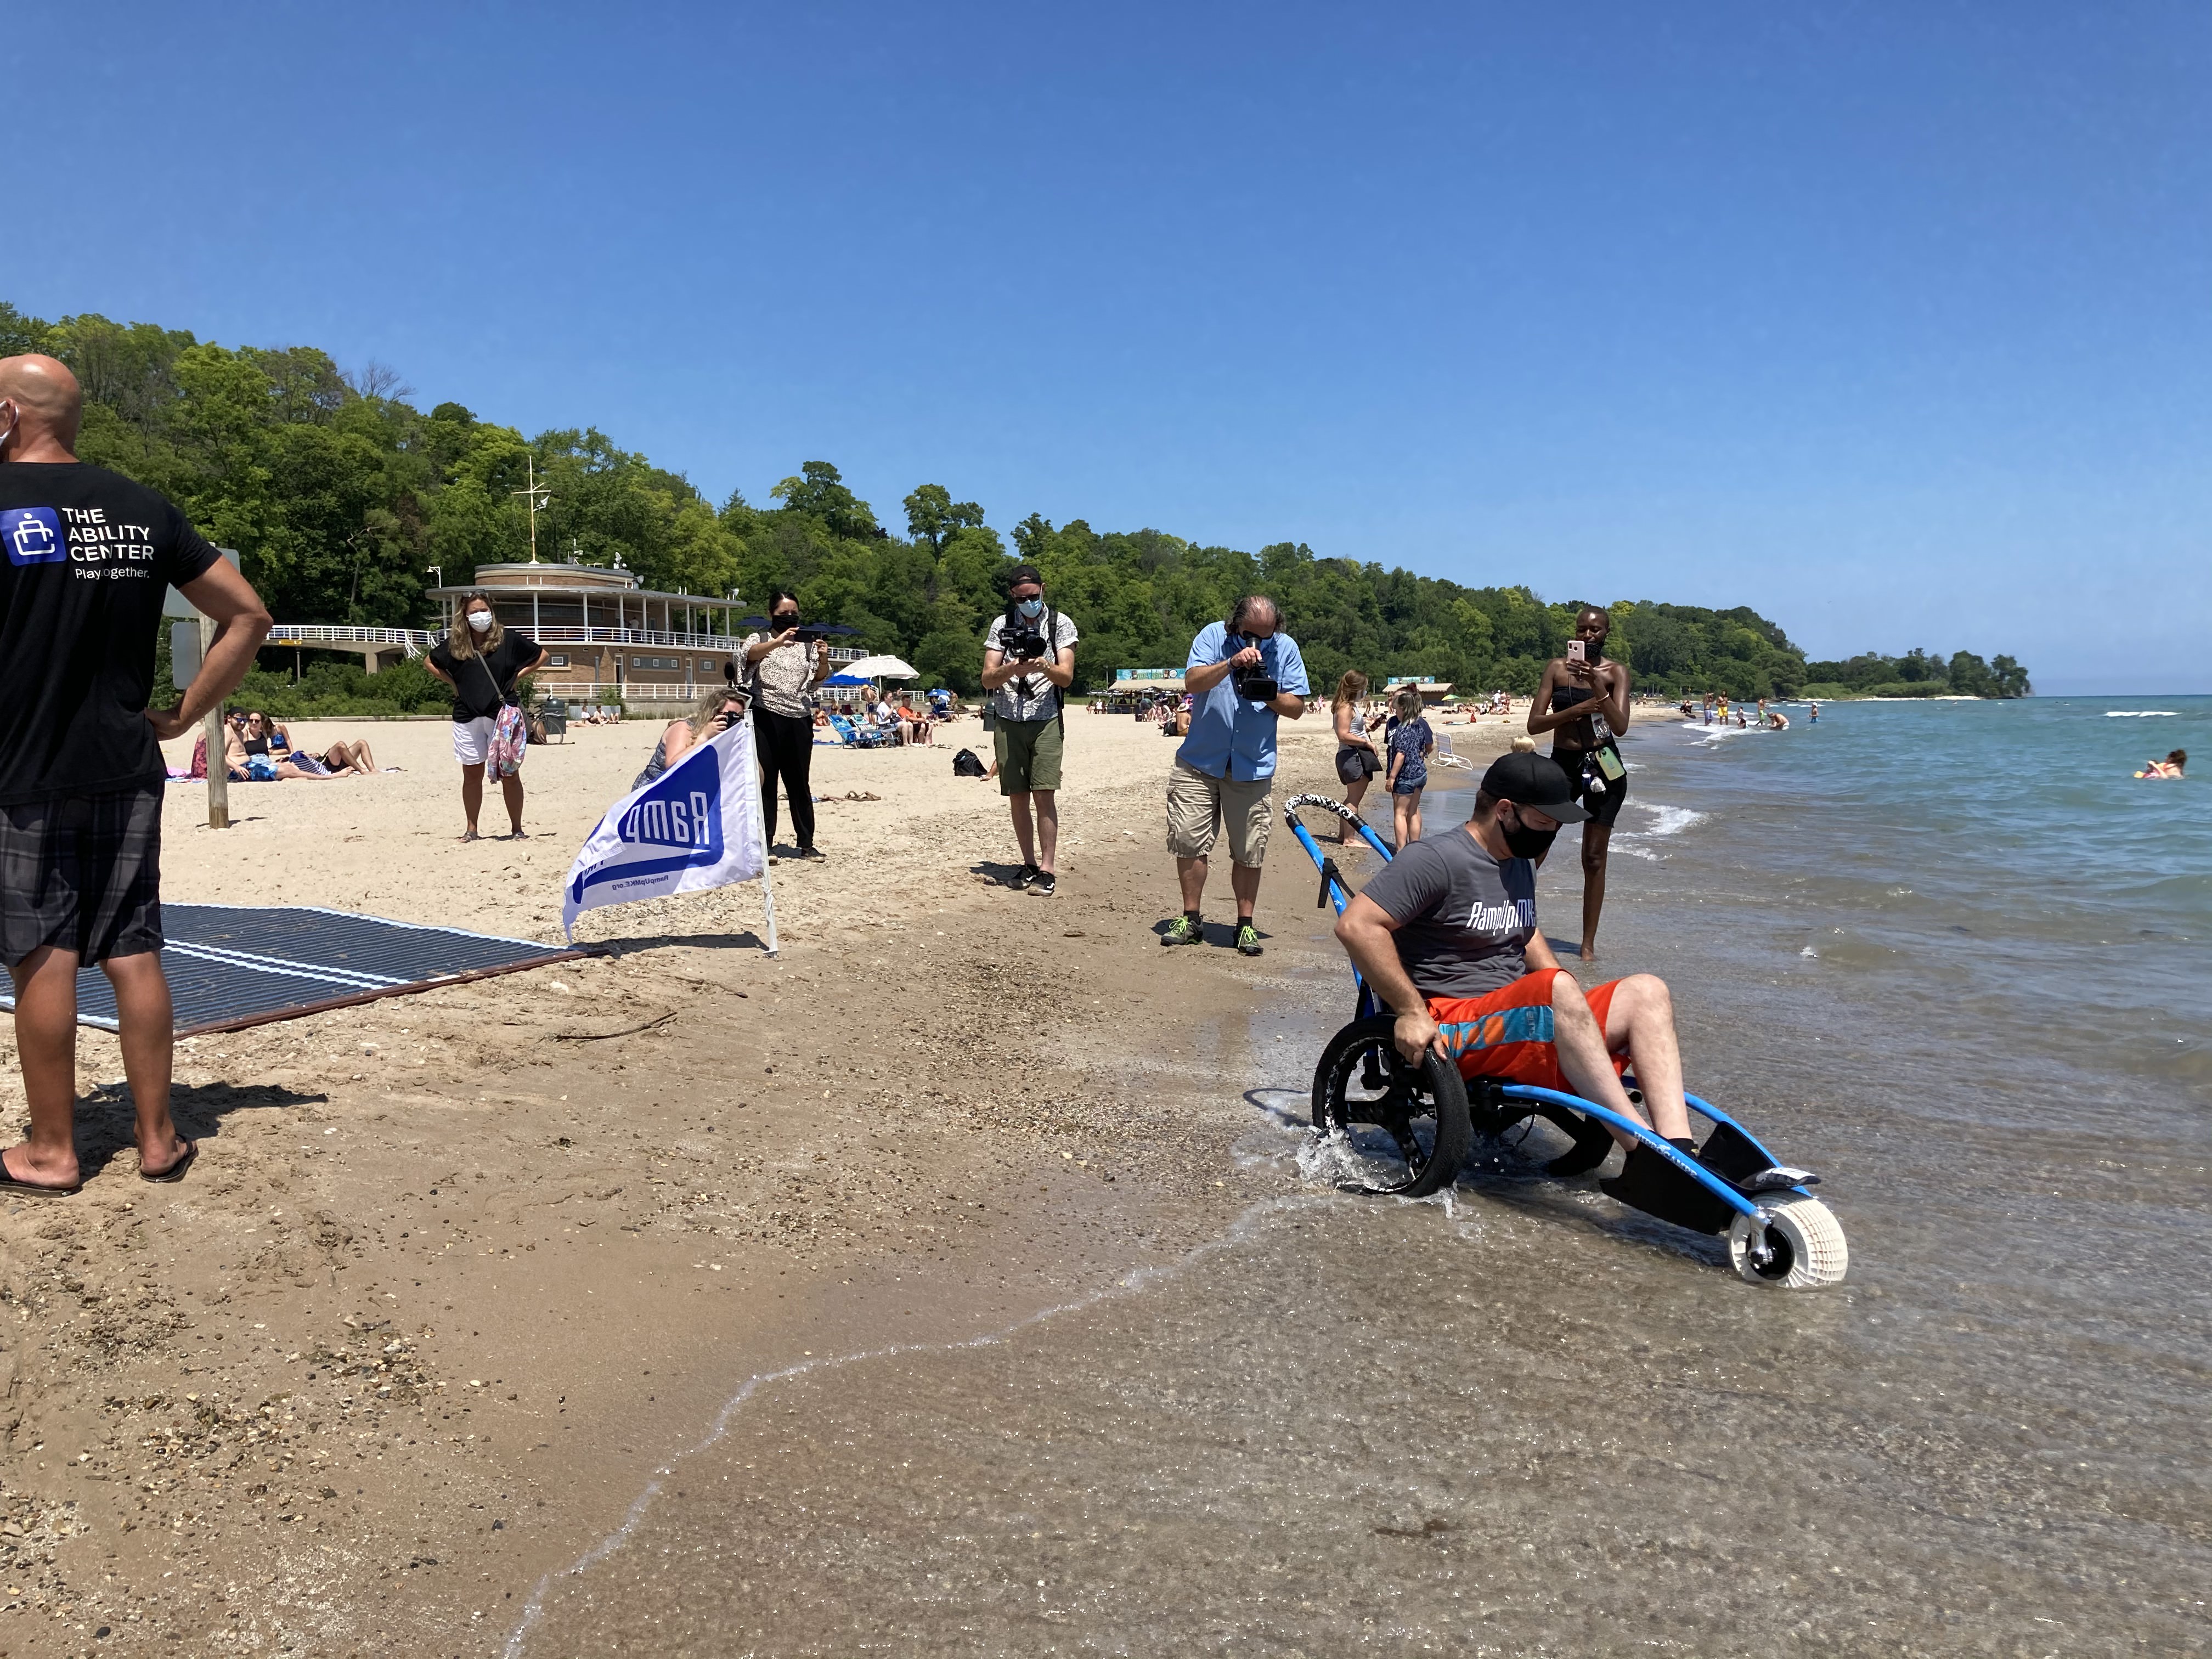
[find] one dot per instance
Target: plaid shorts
(83, 873)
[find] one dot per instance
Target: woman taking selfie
(781, 669)
(1583, 704)
(481, 660)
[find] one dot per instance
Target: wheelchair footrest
(1648, 1181)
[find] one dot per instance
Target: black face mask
(1523, 842)
(786, 622)
(1594, 650)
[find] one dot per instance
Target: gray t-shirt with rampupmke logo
(1463, 916)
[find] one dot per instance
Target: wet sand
(456, 1273)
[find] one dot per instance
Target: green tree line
(342, 498)
(1917, 673)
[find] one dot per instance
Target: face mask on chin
(480, 621)
(1523, 842)
(1594, 650)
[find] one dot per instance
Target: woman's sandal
(468, 834)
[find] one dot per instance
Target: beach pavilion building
(606, 637)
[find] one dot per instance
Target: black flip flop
(175, 1171)
(9, 1184)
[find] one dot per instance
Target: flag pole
(760, 828)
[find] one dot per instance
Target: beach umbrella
(845, 679)
(878, 668)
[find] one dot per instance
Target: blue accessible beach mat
(231, 966)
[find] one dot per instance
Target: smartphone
(1575, 651)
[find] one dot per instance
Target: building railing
(416, 641)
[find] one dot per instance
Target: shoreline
(399, 1345)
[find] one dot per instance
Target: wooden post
(218, 771)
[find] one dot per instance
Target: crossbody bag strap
(497, 695)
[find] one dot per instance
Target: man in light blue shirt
(1243, 675)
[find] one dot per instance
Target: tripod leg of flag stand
(760, 828)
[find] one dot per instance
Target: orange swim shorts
(1508, 1034)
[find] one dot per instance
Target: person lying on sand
(2170, 767)
(1446, 936)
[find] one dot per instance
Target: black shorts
(83, 873)
(1353, 763)
(1582, 769)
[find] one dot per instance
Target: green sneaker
(1183, 931)
(1247, 940)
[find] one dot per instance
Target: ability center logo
(33, 535)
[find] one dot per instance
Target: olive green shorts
(1028, 755)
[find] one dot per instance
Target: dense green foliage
(343, 499)
(1917, 673)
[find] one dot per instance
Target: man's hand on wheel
(1416, 1032)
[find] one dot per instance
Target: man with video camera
(1244, 675)
(1028, 661)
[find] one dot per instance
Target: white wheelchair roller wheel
(1804, 1242)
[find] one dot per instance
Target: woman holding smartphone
(781, 669)
(1583, 703)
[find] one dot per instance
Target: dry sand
(457, 1272)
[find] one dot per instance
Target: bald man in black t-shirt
(86, 559)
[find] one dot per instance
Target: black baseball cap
(1528, 779)
(1025, 573)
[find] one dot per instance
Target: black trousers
(785, 745)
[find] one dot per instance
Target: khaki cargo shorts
(1199, 805)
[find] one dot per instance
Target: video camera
(1022, 645)
(1255, 684)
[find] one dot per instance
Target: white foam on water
(2143, 714)
(1670, 820)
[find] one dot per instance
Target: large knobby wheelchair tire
(1406, 1137)
(1806, 1240)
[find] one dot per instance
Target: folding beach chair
(854, 735)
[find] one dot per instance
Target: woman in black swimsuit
(1583, 703)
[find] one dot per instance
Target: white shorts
(473, 740)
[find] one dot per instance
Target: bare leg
(148, 1034)
(1400, 813)
(1582, 1053)
(471, 796)
(1190, 875)
(511, 788)
(1354, 794)
(46, 1045)
(1244, 882)
(1048, 822)
(1414, 813)
(1596, 838)
(362, 760)
(1640, 1022)
(1025, 833)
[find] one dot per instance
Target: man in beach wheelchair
(1446, 938)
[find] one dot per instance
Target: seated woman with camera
(718, 711)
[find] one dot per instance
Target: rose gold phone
(1574, 653)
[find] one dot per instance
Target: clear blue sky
(1890, 320)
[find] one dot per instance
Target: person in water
(1583, 704)
(1446, 935)
(2170, 767)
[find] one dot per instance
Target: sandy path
(456, 1271)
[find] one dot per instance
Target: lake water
(1950, 955)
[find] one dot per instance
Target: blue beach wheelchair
(1393, 1126)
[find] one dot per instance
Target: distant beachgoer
(1412, 742)
(482, 660)
(1583, 703)
(340, 756)
(1813, 717)
(782, 673)
(718, 711)
(1357, 762)
(1742, 725)
(81, 769)
(1778, 721)
(2170, 767)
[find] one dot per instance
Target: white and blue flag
(696, 826)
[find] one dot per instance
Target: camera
(1255, 684)
(1026, 646)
